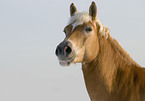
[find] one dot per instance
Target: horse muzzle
(65, 53)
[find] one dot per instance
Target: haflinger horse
(110, 73)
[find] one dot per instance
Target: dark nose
(63, 49)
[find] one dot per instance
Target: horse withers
(110, 73)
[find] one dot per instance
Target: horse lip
(64, 63)
(67, 62)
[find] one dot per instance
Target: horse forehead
(79, 18)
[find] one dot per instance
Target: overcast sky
(30, 30)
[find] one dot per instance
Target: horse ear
(73, 9)
(93, 11)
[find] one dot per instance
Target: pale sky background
(30, 30)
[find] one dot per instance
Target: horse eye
(88, 29)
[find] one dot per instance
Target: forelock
(79, 18)
(83, 17)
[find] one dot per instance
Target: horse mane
(124, 71)
(104, 32)
(102, 29)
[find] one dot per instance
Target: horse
(110, 74)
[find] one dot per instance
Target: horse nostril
(58, 51)
(63, 49)
(68, 50)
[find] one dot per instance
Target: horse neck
(111, 60)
